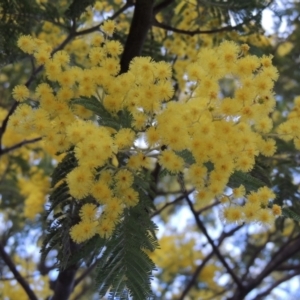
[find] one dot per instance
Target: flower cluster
(225, 133)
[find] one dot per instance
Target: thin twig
(19, 145)
(179, 198)
(31, 295)
(210, 240)
(158, 24)
(275, 284)
(85, 273)
(197, 271)
(128, 4)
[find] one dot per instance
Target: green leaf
(250, 183)
(124, 267)
(187, 156)
(93, 104)
(289, 213)
(68, 163)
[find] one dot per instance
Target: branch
(195, 276)
(254, 256)
(5, 121)
(160, 6)
(201, 266)
(128, 4)
(211, 242)
(85, 273)
(193, 32)
(19, 145)
(283, 254)
(200, 211)
(16, 274)
(140, 25)
(275, 284)
(179, 198)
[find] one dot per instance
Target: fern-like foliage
(121, 120)
(125, 268)
(289, 213)
(57, 236)
(250, 182)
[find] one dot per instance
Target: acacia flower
(20, 93)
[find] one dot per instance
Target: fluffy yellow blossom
(61, 57)
(80, 181)
(108, 27)
(113, 48)
(20, 93)
(101, 191)
(250, 211)
(239, 192)
(88, 212)
(105, 228)
(232, 214)
(114, 206)
(265, 194)
(26, 44)
(124, 138)
(172, 162)
(123, 179)
(130, 197)
(276, 209)
(83, 231)
(265, 217)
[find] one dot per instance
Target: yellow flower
(124, 138)
(101, 191)
(265, 194)
(172, 162)
(239, 192)
(83, 231)
(130, 197)
(108, 27)
(88, 212)
(162, 70)
(265, 217)
(113, 48)
(250, 211)
(80, 181)
(276, 209)
(105, 228)
(123, 179)
(61, 57)
(233, 214)
(26, 44)
(20, 93)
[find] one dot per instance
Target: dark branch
(19, 145)
(282, 255)
(193, 32)
(194, 278)
(195, 275)
(160, 6)
(17, 275)
(140, 25)
(179, 198)
(275, 284)
(211, 242)
(85, 273)
(128, 4)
